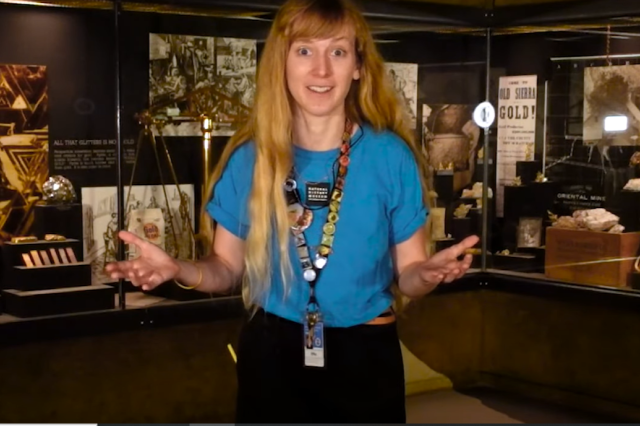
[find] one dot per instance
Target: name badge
(317, 194)
(314, 348)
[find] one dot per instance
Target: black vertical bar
(485, 164)
(117, 8)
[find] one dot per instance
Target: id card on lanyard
(301, 217)
(314, 348)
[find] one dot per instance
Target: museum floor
(487, 406)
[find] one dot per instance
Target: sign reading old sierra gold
(590, 257)
(24, 136)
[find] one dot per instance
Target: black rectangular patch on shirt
(317, 194)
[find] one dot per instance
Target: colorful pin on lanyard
(301, 217)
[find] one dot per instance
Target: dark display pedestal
(461, 228)
(545, 194)
(520, 201)
(509, 231)
(534, 200)
(52, 280)
(528, 170)
(50, 277)
(28, 304)
(444, 244)
(443, 185)
(63, 220)
(627, 207)
(538, 262)
(12, 252)
(517, 262)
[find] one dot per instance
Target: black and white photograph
(451, 140)
(24, 144)
(194, 75)
(611, 91)
(146, 202)
(237, 61)
(405, 80)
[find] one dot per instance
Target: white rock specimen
(632, 185)
(617, 229)
(595, 219)
(476, 191)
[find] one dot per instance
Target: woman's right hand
(152, 268)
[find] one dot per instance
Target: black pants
(363, 381)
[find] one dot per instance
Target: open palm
(150, 269)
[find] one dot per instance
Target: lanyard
(301, 217)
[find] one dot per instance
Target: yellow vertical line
(233, 353)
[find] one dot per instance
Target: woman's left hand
(445, 266)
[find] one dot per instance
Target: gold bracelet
(200, 276)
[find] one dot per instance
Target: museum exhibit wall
(45, 339)
(67, 114)
(164, 70)
(57, 118)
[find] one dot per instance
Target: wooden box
(588, 257)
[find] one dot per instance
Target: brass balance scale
(204, 106)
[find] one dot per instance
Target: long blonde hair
(372, 99)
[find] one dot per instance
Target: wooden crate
(587, 257)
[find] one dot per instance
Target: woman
(319, 207)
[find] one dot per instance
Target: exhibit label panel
(516, 129)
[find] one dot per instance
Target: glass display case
(113, 113)
(57, 135)
(564, 145)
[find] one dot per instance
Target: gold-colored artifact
(517, 181)
(58, 190)
(462, 210)
(528, 152)
(27, 260)
(21, 240)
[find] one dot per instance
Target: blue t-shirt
(381, 207)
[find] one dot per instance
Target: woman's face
(320, 72)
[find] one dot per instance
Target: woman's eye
(339, 52)
(304, 51)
